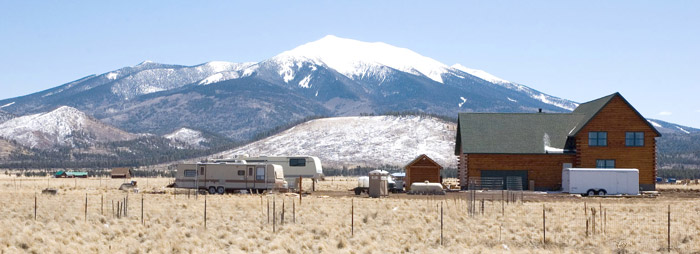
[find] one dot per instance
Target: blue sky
(647, 50)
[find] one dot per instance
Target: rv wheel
(591, 192)
(602, 192)
(220, 190)
(212, 190)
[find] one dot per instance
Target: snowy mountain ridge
(64, 126)
(354, 58)
(365, 141)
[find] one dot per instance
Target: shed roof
(420, 157)
(76, 173)
(120, 171)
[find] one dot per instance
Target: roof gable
(592, 108)
(419, 158)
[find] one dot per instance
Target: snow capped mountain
(366, 141)
(667, 128)
(534, 94)
(480, 74)
(163, 77)
(64, 126)
(187, 137)
(356, 59)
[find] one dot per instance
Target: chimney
(540, 110)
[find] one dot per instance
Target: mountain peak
(353, 58)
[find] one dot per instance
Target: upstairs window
(634, 138)
(597, 138)
(297, 162)
(605, 163)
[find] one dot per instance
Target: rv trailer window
(190, 173)
(297, 162)
(260, 174)
(241, 172)
(201, 170)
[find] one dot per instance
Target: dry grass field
(321, 222)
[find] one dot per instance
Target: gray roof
(527, 133)
(515, 132)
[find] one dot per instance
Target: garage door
(512, 179)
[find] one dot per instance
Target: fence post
(294, 212)
(544, 226)
(441, 223)
(282, 212)
(34, 205)
(102, 204)
(352, 217)
(274, 215)
(142, 223)
(205, 211)
(669, 228)
(300, 190)
(268, 210)
(86, 206)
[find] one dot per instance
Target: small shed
(422, 169)
(121, 172)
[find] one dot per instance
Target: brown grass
(238, 223)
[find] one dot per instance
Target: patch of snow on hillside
(655, 124)
(187, 136)
(686, 132)
(352, 58)
(480, 74)
(367, 140)
(546, 99)
(7, 105)
(212, 79)
(511, 100)
(305, 82)
(112, 75)
(64, 126)
(464, 100)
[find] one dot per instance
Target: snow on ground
(352, 58)
(480, 74)
(367, 141)
(683, 130)
(655, 124)
(187, 136)
(7, 105)
(59, 127)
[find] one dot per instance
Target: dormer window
(597, 138)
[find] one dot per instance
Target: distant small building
(121, 173)
(422, 169)
(64, 174)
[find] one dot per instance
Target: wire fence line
(646, 227)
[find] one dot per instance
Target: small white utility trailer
(600, 181)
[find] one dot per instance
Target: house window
(634, 138)
(597, 138)
(298, 162)
(190, 173)
(604, 163)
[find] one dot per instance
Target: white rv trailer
(600, 181)
(294, 166)
(222, 177)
